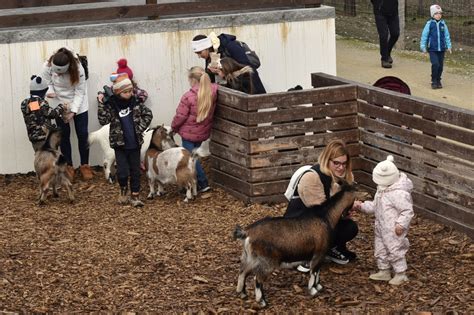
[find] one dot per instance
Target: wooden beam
(16, 4)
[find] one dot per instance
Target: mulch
(171, 256)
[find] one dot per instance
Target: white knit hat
(385, 173)
(435, 8)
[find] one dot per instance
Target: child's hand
(399, 229)
(450, 51)
(100, 97)
(51, 95)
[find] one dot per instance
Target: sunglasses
(339, 164)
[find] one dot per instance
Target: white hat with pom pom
(385, 173)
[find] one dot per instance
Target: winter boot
(382, 275)
(135, 200)
(399, 278)
(386, 64)
(123, 198)
(86, 172)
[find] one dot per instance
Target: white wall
(289, 51)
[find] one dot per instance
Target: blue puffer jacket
(435, 36)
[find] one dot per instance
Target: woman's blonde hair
(333, 150)
(204, 98)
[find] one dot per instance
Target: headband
(200, 45)
(59, 69)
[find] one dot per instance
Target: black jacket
(385, 7)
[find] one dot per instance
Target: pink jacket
(184, 122)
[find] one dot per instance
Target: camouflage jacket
(37, 113)
(109, 113)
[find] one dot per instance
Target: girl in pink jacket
(393, 208)
(194, 115)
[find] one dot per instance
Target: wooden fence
(259, 141)
(150, 10)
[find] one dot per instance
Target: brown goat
(50, 167)
(286, 242)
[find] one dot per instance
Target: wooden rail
(16, 4)
(149, 10)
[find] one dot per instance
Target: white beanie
(201, 44)
(385, 173)
(435, 8)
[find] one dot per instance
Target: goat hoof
(243, 295)
(56, 195)
(41, 202)
(150, 196)
(263, 303)
(313, 291)
(319, 287)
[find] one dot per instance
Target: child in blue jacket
(436, 40)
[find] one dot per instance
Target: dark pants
(388, 27)
(128, 165)
(345, 231)
(81, 122)
(201, 176)
(437, 61)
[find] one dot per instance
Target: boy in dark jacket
(436, 40)
(388, 27)
(37, 113)
(128, 120)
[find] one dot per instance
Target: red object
(123, 68)
(393, 84)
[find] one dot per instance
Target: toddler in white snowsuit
(393, 208)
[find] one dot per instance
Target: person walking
(388, 28)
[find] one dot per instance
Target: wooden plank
(294, 142)
(294, 98)
(232, 98)
(301, 156)
(237, 195)
(233, 143)
(80, 15)
(16, 4)
(456, 166)
(301, 112)
(231, 128)
(233, 115)
(226, 154)
(435, 129)
(432, 110)
(446, 189)
(456, 150)
(423, 170)
(272, 199)
(233, 169)
(320, 79)
(232, 182)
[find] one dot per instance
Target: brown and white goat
(286, 242)
(50, 167)
(166, 163)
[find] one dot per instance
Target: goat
(281, 242)
(101, 137)
(167, 163)
(50, 167)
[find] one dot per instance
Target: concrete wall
(292, 44)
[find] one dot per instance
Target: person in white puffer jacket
(393, 209)
(67, 85)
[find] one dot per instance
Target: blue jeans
(437, 61)
(201, 176)
(81, 122)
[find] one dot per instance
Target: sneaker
(349, 254)
(440, 86)
(398, 279)
(303, 268)
(434, 85)
(135, 200)
(336, 256)
(390, 60)
(86, 172)
(204, 189)
(386, 64)
(381, 275)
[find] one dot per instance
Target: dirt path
(361, 62)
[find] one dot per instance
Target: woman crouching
(319, 184)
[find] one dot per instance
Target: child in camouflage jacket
(37, 113)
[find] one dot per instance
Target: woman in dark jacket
(227, 46)
(239, 77)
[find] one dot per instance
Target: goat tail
(199, 153)
(239, 233)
